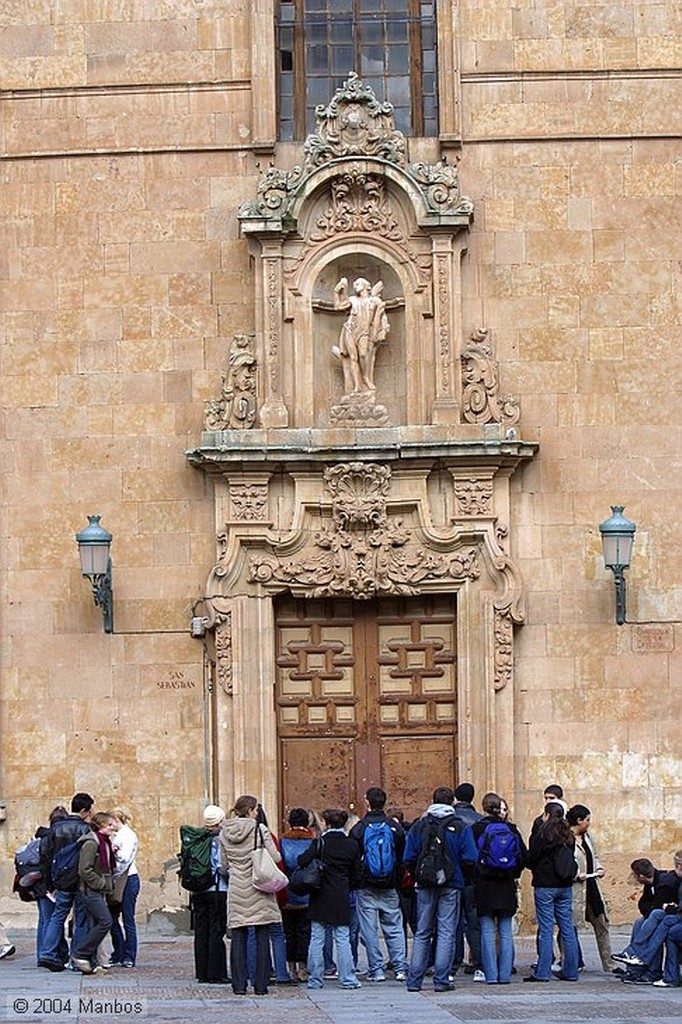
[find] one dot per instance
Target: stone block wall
(128, 145)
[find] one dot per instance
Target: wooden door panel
(365, 695)
(317, 773)
(412, 768)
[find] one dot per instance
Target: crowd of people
(84, 881)
(336, 881)
(450, 878)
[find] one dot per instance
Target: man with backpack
(382, 844)
(62, 834)
(438, 850)
(469, 925)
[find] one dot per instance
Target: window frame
(297, 24)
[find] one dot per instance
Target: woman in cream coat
(588, 902)
(246, 905)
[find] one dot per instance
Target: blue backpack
(379, 857)
(499, 848)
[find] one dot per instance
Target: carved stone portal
(362, 458)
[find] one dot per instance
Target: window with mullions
(391, 44)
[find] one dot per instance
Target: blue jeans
(124, 940)
(556, 904)
(344, 957)
(53, 942)
(277, 952)
(381, 907)
(437, 909)
(497, 965)
(328, 951)
(468, 926)
(45, 908)
(671, 974)
(649, 938)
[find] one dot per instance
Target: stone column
(253, 723)
(273, 411)
(447, 318)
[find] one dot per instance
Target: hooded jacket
(461, 845)
(246, 905)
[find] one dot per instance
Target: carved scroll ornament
(481, 402)
(236, 407)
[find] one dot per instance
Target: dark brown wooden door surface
(365, 695)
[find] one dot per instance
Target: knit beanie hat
(213, 815)
(465, 792)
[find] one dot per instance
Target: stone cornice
(230, 448)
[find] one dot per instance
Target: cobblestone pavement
(162, 989)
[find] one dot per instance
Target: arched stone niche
(356, 208)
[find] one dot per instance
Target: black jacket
(466, 812)
(63, 832)
(358, 833)
(541, 862)
(342, 872)
(664, 890)
(497, 893)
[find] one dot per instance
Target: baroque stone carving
(359, 493)
(223, 651)
(365, 328)
(441, 185)
(364, 552)
(473, 497)
(249, 502)
(481, 402)
(355, 124)
(504, 648)
(359, 202)
(236, 407)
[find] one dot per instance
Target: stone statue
(366, 326)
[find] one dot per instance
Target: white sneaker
(663, 984)
(7, 950)
(479, 976)
(400, 975)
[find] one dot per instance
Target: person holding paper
(588, 903)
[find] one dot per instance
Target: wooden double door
(365, 694)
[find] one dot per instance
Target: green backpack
(195, 873)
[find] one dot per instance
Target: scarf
(106, 854)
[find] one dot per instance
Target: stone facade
(149, 308)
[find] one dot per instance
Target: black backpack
(434, 867)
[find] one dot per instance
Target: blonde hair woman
(246, 905)
(126, 891)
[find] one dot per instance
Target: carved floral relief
(364, 552)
